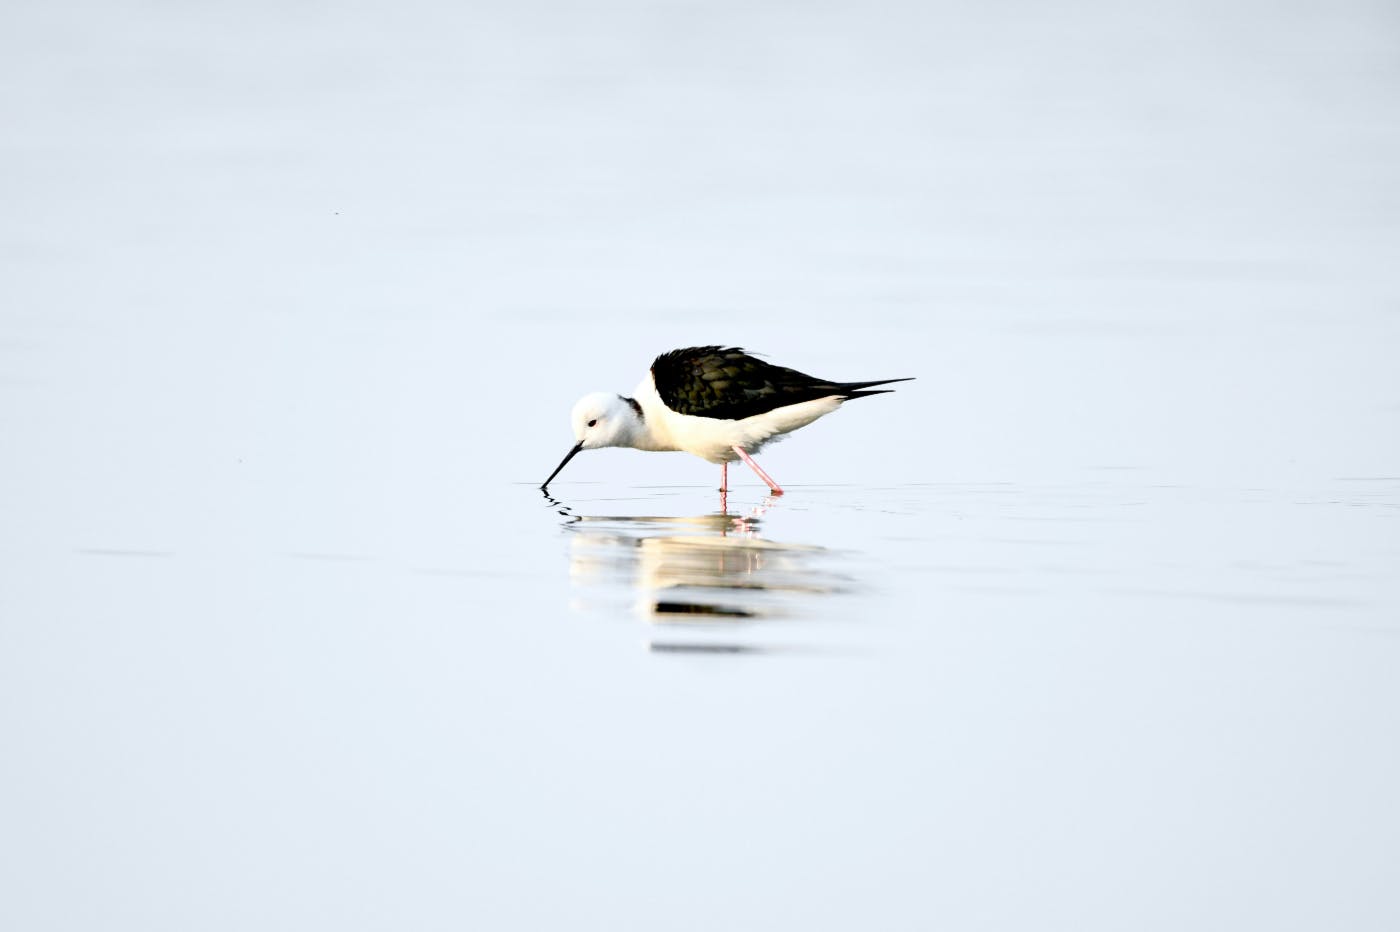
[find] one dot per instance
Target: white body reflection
(707, 570)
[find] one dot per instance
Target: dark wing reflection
(695, 569)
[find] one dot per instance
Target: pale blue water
(1092, 626)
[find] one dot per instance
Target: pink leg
(761, 474)
(724, 477)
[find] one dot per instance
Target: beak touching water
(578, 446)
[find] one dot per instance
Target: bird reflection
(705, 569)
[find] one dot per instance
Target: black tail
(857, 389)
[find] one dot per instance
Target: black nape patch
(635, 407)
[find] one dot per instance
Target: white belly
(714, 439)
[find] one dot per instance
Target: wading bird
(719, 403)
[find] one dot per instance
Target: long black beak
(572, 454)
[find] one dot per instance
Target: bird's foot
(767, 479)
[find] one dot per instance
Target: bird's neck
(649, 425)
(643, 435)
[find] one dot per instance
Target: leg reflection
(686, 570)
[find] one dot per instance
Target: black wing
(729, 384)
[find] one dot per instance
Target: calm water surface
(1095, 625)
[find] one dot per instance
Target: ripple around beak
(570, 455)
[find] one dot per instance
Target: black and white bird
(717, 402)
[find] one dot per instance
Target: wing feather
(727, 383)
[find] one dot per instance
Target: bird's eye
(593, 422)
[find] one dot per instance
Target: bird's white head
(602, 420)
